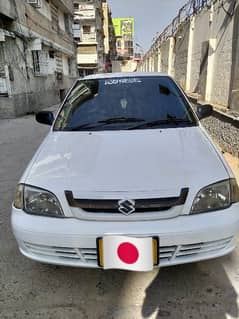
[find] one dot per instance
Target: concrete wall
(234, 98)
(165, 56)
(181, 53)
(155, 61)
(222, 31)
(201, 31)
(203, 54)
(124, 66)
(7, 8)
(116, 66)
(45, 9)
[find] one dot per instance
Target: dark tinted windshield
(124, 103)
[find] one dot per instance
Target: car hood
(138, 162)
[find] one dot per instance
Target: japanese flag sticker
(121, 252)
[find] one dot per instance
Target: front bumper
(72, 242)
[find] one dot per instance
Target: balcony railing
(85, 15)
(88, 37)
(85, 11)
(87, 58)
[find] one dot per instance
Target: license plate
(129, 253)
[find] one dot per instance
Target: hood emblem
(126, 206)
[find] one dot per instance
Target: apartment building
(109, 37)
(93, 34)
(37, 54)
(124, 32)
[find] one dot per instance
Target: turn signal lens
(18, 200)
(234, 191)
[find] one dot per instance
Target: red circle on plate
(128, 253)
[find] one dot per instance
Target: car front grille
(168, 254)
(139, 205)
(172, 253)
(85, 255)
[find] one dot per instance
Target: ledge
(220, 112)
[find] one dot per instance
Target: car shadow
(199, 290)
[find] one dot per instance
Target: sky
(151, 16)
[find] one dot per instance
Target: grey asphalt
(31, 290)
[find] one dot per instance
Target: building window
(128, 44)
(40, 62)
(76, 31)
(67, 22)
(54, 17)
(3, 80)
(86, 29)
(2, 61)
(71, 63)
(76, 6)
(118, 44)
(35, 3)
(131, 52)
(59, 63)
(51, 54)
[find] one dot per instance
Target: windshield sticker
(122, 81)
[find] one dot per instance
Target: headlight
(216, 196)
(37, 201)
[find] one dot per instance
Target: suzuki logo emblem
(126, 206)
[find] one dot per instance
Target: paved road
(31, 290)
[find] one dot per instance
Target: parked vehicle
(126, 178)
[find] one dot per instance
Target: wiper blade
(170, 120)
(83, 126)
(102, 123)
(175, 121)
(121, 120)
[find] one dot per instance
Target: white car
(126, 171)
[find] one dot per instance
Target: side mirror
(45, 117)
(204, 111)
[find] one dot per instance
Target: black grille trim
(141, 205)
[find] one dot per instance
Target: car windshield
(124, 104)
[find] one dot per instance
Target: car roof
(123, 75)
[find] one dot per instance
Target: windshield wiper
(103, 123)
(170, 120)
(83, 126)
(121, 120)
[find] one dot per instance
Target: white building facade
(89, 34)
(37, 54)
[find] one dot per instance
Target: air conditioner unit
(35, 3)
